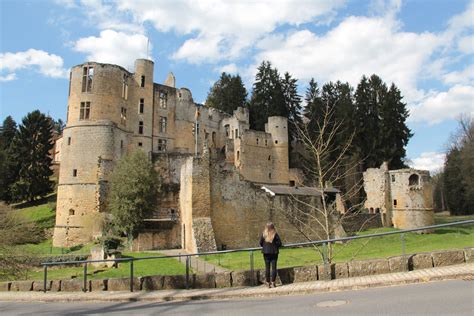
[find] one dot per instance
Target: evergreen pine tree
(8, 165)
(293, 105)
(227, 93)
(394, 132)
(31, 148)
(267, 97)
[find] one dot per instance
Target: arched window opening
(414, 179)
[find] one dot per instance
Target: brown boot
(273, 284)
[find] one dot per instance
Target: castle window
(140, 127)
(141, 106)
(140, 144)
(123, 116)
(236, 133)
(292, 183)
(266, 142)
(213, 138)
(163, 99)
(87, 76)
(69, 140)
(121, 143)
(257, 141)
(227, 129)
(394, 202)
(238, 155)
(393, 178)
(85, 111)
(269, 157)
(276, 142)
(414, 179)
(276, 126)
(142, 82)
(162, 145)
(269, 175)
(74, 172)
(163, 122)
(125, 87)
(195, 128)
(71, 211)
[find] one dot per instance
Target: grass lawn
(140, 268)
(455, 237)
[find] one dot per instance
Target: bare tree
(328, 166)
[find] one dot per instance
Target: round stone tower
(278, 127)
(109, 113)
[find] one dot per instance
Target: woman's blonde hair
(269, 232)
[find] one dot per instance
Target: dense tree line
(456, 187)
(374, 114)
(25, 161)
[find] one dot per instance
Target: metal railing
(250, 250)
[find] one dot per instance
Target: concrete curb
(463, 271)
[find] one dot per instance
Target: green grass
(456, 237)
(141, 268)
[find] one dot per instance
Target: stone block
(223, 279)
(74, 285)
(306, 274)
(56, 286)
(325, 272)
(5, 286)
(398, 264)
(98, 285)
(204, 281)
(244, 278)
(420, 261)
(22, 286)
(176, 282)
(447, 258)
(368, 267)
(469, 255)
(123, 284)
(39, 285)
(152, 283)
(287, 275)
(340, 270)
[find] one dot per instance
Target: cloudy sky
(426, 47)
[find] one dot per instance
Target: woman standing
(270, 242)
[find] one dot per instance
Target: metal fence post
(131, 275)
(325, 255)
(252, 268)
(45, 280)
(84, 288)
(187, 272)
(402, 237)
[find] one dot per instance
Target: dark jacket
(270, 248)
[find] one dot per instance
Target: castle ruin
(213, 166)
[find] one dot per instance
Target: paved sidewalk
(464, 271)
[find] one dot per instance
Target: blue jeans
(270, 260)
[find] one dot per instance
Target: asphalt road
(438, 298)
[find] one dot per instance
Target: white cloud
(465, 76)
(229, 68)
(357, 46)
(439, 106)
(221, 30)
(8, 77)
(114, 47)
(466, 44)
(49, 65)
(432, 161)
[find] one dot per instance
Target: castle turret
(109, 113)
(277, 126)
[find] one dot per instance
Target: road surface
(437, 298)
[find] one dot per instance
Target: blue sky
(425, 47)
